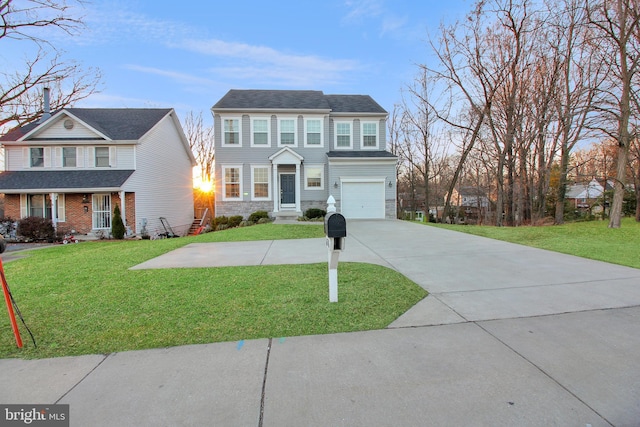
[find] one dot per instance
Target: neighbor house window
(260, 182)
(287, 132)
(40, 205)
(313, 177)
(69, 157)
(37, 157)
(313, 132)
(343, 135)
(102, 157)
(231, 131)
(369, 135)
(260, 132)
(232, 182)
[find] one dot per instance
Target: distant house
(585, 195)
(285, 151)
(76, 164)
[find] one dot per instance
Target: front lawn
(592, 239)
(82, 299)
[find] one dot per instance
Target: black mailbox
(335, 225)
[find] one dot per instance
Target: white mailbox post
(335, 228)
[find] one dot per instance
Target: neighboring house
(284, 151)
(584, 195)
(76, 164)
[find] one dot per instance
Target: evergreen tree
(117, 226)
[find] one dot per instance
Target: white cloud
(173, 75)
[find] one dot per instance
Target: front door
(287, 190)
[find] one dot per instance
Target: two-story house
(74, 165)
(284, 151)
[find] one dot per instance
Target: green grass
(593, 240)
(82, 299)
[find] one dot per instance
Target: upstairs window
(37, 157)
(287, 132)
(369, 135)
(260, 132)
(69, 157)
(231, 132)
(313, 132)
(343, 135)
(102, 157)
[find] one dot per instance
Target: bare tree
(618, 24)
(20, 89)
(201, 143)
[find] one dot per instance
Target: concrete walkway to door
(509, 336)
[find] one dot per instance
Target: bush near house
(258, 215)
(36, 228)
(117, 226)
(313, 213)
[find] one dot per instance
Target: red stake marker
(7, 298)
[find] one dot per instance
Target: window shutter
(47, 157)
(91, 157)
(23, 206)
(80, 157)
(26, 158)
(112, 157)
(61, 208)
(58, 157)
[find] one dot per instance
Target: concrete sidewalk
(508, 336)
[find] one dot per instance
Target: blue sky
(188, 54)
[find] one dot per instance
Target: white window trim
(268, 144)
(322, 180)
(306, 144)
(239, 119)
(224, 183)
(295, 131)
(377, 134)
(253, 196)
(335, 135)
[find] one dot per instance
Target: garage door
(363, 199)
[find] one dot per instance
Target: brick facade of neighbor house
(75, 211)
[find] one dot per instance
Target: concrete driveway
(509, 336)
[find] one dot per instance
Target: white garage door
(363, 199)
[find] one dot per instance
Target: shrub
(235, 221)
(36, 228)
(8, 227)
(313, 213)
(258, 215)
(218, 221)
(117, 226)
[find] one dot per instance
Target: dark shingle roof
(115, 123)
(361, 154)
(297, 100)
(44, 180)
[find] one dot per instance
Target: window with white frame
(231, 129)
(69, 157)
(40, 205)
(102, 157)
(287, 132)
(313, 132)
(314, 177)
(260, 182)
(37, 157)
(369, 135)
(260, 132)
(343, 135)
(232, 182)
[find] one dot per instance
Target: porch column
(298, 187)
(276, 187)
(54, 209)
(123, 210)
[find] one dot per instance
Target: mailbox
(335, 225)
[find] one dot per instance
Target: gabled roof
(114, 123)
(237, 99)
(47, 180)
